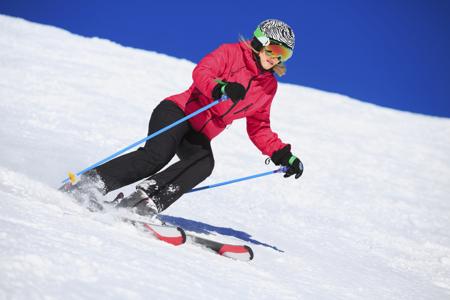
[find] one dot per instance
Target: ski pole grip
(283, 169)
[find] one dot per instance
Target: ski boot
(143, 201)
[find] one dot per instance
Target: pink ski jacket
(232, 63)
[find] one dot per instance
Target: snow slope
(369, 219)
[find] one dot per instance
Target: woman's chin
(267, 66)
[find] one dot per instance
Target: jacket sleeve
(211, 67)
(260, 133)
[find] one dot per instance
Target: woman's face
(267, 61)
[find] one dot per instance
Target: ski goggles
(278, 51)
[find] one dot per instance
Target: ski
(177, 236)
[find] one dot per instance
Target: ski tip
(183, 235)
(172, 235)
(250, 252)
(72, 177)
(243, 253)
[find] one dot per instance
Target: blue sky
(392, 53)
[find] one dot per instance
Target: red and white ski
(177, 236)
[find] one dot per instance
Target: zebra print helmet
(277, 31)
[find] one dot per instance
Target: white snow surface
(370, 218)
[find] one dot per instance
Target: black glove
(296, 168)
(234, 90)
(285, 158)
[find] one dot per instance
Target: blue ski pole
(282, 169)
(72, 177)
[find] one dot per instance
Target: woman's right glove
(285, 158)
(234, 90)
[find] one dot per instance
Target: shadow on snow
(203, 228)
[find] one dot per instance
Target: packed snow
(369, 219)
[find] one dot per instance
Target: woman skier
(243, 72)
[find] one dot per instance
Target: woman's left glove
(285, 158)
(234, 90)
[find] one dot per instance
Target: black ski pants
(193, 149)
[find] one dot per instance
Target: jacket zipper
(234, 104)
